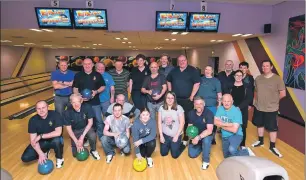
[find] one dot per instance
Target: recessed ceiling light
(61, 47)
(47, 45)
(78, 46)
(129, 42)
(212, 40)
(48, 30)
(123, 42)
(173, 39)
(117, 38)
(93, 48)
(134, 46)
(174, 33)
(100, 44)
(166, 39)
(6, 41)
(125, 38)
(18, 45)
(236, 35)
(220, 40)
(94, 44)
(29, 43)
(130, 46)
(73, 45)
(37, 30)
(184, 33)
(245, 35)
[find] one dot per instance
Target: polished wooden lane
(23, 78)
(14, 139)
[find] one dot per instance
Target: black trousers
(139, 99)
(56, 143)
(91, 136)
(187, 105)
(147, 149)
(244, 135)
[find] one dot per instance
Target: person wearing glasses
(242, 96)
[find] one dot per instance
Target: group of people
(179, 96)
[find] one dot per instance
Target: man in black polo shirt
(78, 121)
(203, 119)
(226, 77)
(138, 75)
(89, 79)
(45, 129)
(155, 87)
(184, 81)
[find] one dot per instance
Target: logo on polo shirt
(84, 116)
(146, 73)
(50, 123)
(204, 120)
(94, 78)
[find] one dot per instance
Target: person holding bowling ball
(78, 121)
(154, 86)
(89, 79)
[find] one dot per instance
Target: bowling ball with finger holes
(121, 141)
(87, 93)
(192, 131)
(46, 168)
(139, 165)
(82, 155)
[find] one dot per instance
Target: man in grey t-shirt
(115, 125)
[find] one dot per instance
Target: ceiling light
(134, 46)
(174, 33)
(93, 48)
(61, 47)
(94, 44)
(78, 46)
(100, 44)
(47, 45)
(130, 46)
(173, 39)
(220, 40)
(6, 41)
(123, 42)
(29, 43)
(117, 38)
(236, 35)
(48, 30)
(212, 40)
(129, 42)
(37, 30)
(18, 45)
(184, 33)
(166, 39)
(73, 45)
(245, 35)
(125, 38)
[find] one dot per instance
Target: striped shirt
(120, 80)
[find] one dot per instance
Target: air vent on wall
(45, 41)
(18, 37)
(70, 37)
(113, 31)
(86, 41)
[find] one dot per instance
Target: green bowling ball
(83, 155)
(192, 131)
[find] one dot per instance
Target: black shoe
(213, 142)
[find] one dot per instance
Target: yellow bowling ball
(140, 165)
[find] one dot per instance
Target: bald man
(226, 77)
(128, 110)
(228, 117)
(45, 129)
(154, 86)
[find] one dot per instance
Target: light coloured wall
(10, 56)
(36, 63)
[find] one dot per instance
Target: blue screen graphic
(90, 18)
(53, 17)
(204, 21)
(171, 20)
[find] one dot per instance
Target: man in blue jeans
(107, 96)
(89, 79)
(229, 119)
(62, 80)
(203, 119)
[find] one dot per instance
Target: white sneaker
(122, 153)
(243, 147)
(205, 165)
(86, 144)
(150, 162)
(251, 153)
(109, 158)
(257, 144)
(95, 155)
(185, 143)
(276, 152)
(59, 163)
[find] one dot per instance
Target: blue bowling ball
(87, 93)
(46, 168)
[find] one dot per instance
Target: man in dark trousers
(184, 81)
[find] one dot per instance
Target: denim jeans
(55, 143)
(61, 103)
(203, 146)
(108, 144)
(104, 107)
(173, 147)
(91, 136)
(147, 149)
(230, 146)
(213, 109)
(153, 108)
(99, 125)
